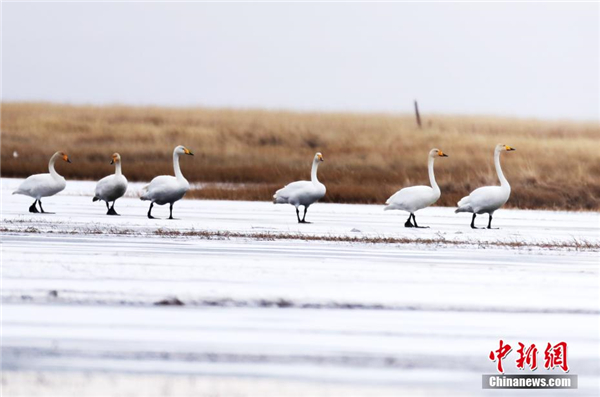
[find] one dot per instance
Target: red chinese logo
(502, 352)
(528, 356)
(554, 356)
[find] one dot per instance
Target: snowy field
(277, 308)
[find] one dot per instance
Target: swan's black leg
(298, 215)
(490, 223)
(408, 222)
(473, 221)
(42, 209)
(150, 212)
(107, 207)
(304, 217)
(171, 211)
(415, 222)
(111, 210)
(33, 208)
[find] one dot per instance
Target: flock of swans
(166, 189)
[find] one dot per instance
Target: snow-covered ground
(271, 316)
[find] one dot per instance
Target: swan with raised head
(303, 193)
(111, 187)
(488, 199)
(166, 189)
(414, 198)
(44, 185)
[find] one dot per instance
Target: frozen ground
(264, 315)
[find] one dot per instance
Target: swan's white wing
(291, 191)
(484, 199)
(164, 189)
(41, 185)
(412, 199)
(111, 187)
(299, 193)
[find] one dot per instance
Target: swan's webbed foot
(303, 221)
(408, 224)
(422, 227)
(111, 211)
(151, 217)
(33, 208)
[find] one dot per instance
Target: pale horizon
(532, 61)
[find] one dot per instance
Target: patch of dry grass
(367, 156)
(439, 240)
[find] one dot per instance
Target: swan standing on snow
(489, 198)
(165, 188)
(44, 185)
(414, 198)
(302, 192)
(111, 187)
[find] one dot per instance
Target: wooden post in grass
(417, 114)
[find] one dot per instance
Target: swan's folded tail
(277, 199)
(464, 205)
(143, 197)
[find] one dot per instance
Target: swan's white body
(488, 199)
(166, 189)
(303, 193)
(414, 198)
(44, 185)
(114, 186)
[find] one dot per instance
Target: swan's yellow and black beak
(442, 154)
(320, 157)
(187, 151)
(508, 148)
(114, 159)
(66, 158)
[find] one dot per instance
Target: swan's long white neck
(176, 168)
(118, 168)
(503, 181)
(313, 174)
(434, 184)
(51, 166)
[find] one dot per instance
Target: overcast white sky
(533, 59)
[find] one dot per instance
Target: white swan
(44, 185)
(112, 187)
(165, 188)
(302, 192)
(414, 198)
(489, 198)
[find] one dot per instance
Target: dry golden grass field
(251, 153)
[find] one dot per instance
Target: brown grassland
(248, 154)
